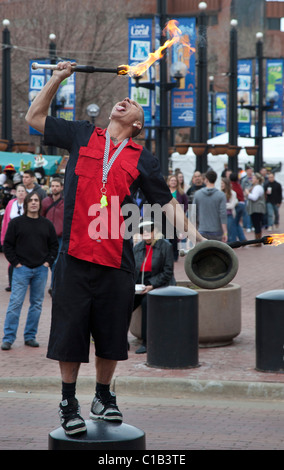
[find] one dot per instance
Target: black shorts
(89, 300)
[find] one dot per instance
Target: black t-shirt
(30, 242)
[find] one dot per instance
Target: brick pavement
(260, 270)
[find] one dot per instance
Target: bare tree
(92, 32)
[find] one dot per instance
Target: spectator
(231, 203)
(31, 186)
(14, 208)
(7, 174)
(53, 209)
(180, 196)
(211, 210)
(30, 245)
(197, 183)
(273, 193)
(240, 207)
(246, 183)
(256, 204)
(154, 268)
(182, 186)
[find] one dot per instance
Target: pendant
(103, 201)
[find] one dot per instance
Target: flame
(275, 239)
(176, 36)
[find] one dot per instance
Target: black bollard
(270, 331)
(172, 328)
(100, 435)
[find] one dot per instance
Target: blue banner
(183, 99)
(274, 91)
(156, 101)
(221, 113)
(38, 79)
(65, 97)
(244, 94)
(139, 48)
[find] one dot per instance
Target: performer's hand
(147, 289)
(64, 70)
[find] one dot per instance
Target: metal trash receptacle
(172, 328)
(269, 331)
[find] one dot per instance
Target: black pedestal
(172, 328)
(269, 331)
(100, 435)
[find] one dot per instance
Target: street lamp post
(202, 92)
(162, 131)
(6, 86)
(233, 94)
(52, 58)
(261, 108)
(93, 111)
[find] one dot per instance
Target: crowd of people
(246, 201)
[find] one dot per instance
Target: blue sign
(183, 99)
(139, 48)
(221, 113)
(274, 91)
(245, 94)
(38, 79)
(65, 97)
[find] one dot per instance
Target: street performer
(94, 288)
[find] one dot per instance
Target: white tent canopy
(273, 154)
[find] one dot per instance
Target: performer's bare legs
(104, 367)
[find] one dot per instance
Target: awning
(22, 160)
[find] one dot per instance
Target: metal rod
(80, 68)
(265, 240)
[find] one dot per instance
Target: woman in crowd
(14, 208)
(240, 207)
(181, 197)
(256, 206)
(181, 184)
(232, 201)
(154, 268)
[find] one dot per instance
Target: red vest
(89, 219)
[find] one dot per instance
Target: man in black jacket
(273, 193)
(30, 246)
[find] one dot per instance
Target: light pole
(52, 58)
(93, 111)
(162, 131)
(259, 107)
(258, 129)
(6, 86)
(233, 95)
(202, 90)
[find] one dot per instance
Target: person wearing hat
(154, 263)
(7, 174)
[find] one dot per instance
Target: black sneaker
(105, 408)
(70, 419)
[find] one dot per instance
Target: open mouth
(121, 107)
